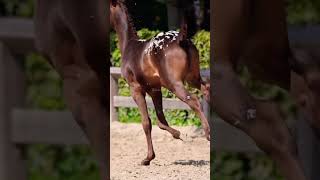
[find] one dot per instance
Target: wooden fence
(20, 126)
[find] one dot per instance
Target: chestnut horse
(73, 35)
(254, 33)
(167, 61)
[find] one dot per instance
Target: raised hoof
(145, 162)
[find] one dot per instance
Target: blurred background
(39, 89)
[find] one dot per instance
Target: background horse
(254, 33)
(167, 60)
(73, 36)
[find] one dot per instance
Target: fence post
(113, 92)
(12, 166)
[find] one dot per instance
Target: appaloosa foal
(73, 35)
(167, 61)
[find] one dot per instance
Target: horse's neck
(125, 32)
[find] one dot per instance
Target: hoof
(145, 162)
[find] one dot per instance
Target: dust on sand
(175, 159)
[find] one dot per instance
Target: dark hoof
(145, 162)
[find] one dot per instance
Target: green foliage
(22, 8)
(202, 42)
(44, 85)
(303, 11)
(243, 166)
(57, 162)
(174, 117)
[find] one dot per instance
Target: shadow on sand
(191, 162)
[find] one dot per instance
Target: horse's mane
(123, 6)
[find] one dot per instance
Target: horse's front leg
(138, 95)
(156, 96)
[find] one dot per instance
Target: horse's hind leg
(261, 120)
(156, 96)
(138, 95)
(194, 103)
